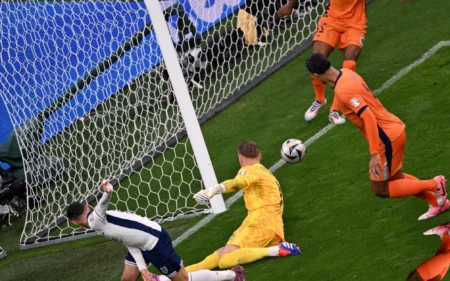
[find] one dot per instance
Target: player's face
(319, 77)
(83, 220)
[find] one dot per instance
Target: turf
(344, 231)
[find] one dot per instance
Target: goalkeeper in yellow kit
(261, 234)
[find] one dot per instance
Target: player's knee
(183, 276)
(223, 263)
(352, 52)
(380, 189)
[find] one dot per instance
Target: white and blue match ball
(293, 151)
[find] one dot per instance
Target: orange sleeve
(370, 124)
(358, 105)
(353, 101)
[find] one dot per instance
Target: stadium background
(387, 53)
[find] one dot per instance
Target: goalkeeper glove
(202, 197)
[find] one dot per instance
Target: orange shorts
(332, 31)
(392, 156)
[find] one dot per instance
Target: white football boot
(335, 118)
(312, 111)
(434, 211)
(438, 230)
(441, 192)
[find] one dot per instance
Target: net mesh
(87, 91)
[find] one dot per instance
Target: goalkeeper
(261, 234)
(147, 242)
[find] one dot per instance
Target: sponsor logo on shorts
(354, 102)
(243, 173)
(164, 270)
(361, 40)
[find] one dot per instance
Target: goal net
(90, 97)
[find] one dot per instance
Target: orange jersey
(355, 97)
(350, 11)
(262, 196)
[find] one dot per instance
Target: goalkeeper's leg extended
(247, 245)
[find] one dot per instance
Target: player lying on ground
(343, 22)
(386, 135)
(261, 234)
(147, 242)
(435, 268)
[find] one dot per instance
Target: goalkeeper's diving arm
(227, 186)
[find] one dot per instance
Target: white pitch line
(230, 201)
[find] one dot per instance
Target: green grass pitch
(345, 232)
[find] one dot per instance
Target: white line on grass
(230, 201)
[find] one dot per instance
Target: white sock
(207, 275)
(273, 251)
(163, 278)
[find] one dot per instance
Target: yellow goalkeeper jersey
(262, 196)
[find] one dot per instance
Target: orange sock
(429, 197)
(349, 64)
(405, 187)
(319, 89)
(434, 266)
(443, 272)
(424, 195)
(445, 244)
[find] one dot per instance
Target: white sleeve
(137, 255)
(102, 205)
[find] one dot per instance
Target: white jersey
(136, 232)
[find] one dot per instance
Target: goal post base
(46, 241)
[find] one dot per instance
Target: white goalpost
(181, 92)
(118, 89)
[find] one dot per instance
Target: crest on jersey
(354, 102)
(361, 40)
(243, 173)
(164, 270)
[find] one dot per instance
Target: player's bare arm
(286, 10)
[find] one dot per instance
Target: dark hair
(317, 63)
(249, 149)
(75, 210)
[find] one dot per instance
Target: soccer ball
(293, 151)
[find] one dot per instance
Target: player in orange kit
(343, 22)
(385, 133)
(435, 268)
(262, 232)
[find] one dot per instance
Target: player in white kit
(147, 243)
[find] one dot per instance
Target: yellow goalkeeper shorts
(254, 237)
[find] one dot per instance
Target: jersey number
(281, 193)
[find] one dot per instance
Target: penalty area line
(230, 201)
